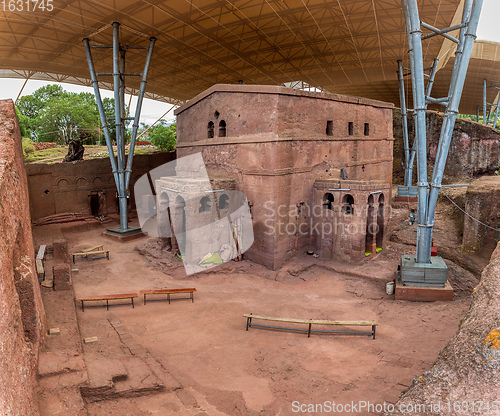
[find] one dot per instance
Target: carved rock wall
(21, 310)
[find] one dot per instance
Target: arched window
(328, 201)
(348, 204)
(380, 222)
(210, 130)
(222, 128)
(223, 201)
(371, 227)
(205, 204)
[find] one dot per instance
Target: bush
(28, 147)
(163, 137)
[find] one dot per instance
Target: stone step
(126, 376)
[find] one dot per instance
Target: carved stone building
(316, 167)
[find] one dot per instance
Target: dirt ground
(197, 359)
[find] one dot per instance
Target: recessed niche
(329, 128)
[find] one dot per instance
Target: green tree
(163, 136)
(53, 114)
(23, 123)
(68, 117)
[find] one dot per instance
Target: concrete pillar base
(130, 233)
(423, 293)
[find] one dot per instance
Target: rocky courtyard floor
(196, 359)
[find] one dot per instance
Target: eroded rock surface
(466, 373)
(21, 309)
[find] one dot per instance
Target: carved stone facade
(285, 149)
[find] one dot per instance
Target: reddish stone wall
(482, 201)
(21, 309)
(276, 145)
(474, 149)
(65, 187)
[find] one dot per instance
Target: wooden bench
(107, 298)
(40, 271)
(41, 252)
(96, 252)
(168, 292)
(311, 322)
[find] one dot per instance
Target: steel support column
(120, 128)
(430, 84)
(120, 171)
(404, 121)
(102, 114)
(417, 69)
(485, 103)
(427, 201)
(140, 98)
(486, 120)
(496, 111)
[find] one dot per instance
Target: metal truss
(121, 166)
(428, 193)
(327, 44)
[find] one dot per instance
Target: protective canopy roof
(484, 64)
(348, 46)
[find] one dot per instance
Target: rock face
(482, 201)
(75, 187)
(21, 310)
(466, 371)
(474, 149)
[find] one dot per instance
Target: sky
(152, 110)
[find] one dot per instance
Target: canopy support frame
(121, 165)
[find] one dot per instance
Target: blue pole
(100, 107)
(140, 98)
(404, 122)
(452, 111)
(120, 145)
(420, 123)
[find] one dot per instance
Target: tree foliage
(52, 114)
(163, 136)
(67, 118)
(481, 119)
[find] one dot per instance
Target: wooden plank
(312, 321)
(347, 323)
(269, 318)
(108, 297)
(95, 248)
(39, 266)
(41, 252)
(166, 291)
(89, 253)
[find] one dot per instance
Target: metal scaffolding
(410, 153)
(121, 166)
(428, 193)
(488, 111)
